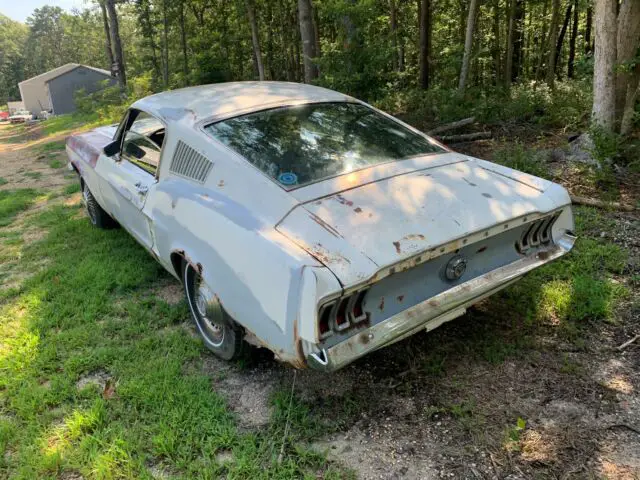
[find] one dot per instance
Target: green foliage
(3, 181)
(72, 188)
(521, 158)
(56, 163)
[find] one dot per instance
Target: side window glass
(142, 143)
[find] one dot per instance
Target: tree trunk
(572, 41)
(630, 101)
(604, 98)
(497, 57)
(316, 30)
(255, 38)
(107, 35)
(553, 38)
(308, 40)
(425, 42)
(518, 40)
(183, 38)
(165, 45)
(628, 42)
(393, 24)
(543, 43)
(563, 32)
(508, 68)
(588, 46)
(114, 29)
(468, 45)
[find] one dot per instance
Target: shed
(54, 90)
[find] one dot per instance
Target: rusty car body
(310, 223)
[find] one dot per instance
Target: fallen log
(465, 137)
(452, 125)
(592, 202)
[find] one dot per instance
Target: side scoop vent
(188, 163)
(538, 233)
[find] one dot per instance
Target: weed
(56, 163)
(520, 158)
(513, 435)
(34, 175)
(3, 181)
(51, 147)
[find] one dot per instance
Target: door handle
(142, 189)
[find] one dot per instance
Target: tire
(97, 216)
(217, 329)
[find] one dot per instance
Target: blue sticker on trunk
(288, 178)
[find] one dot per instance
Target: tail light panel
(342, 314)
(538, 233)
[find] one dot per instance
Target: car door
(131, 174)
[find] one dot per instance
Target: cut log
(452, 125)
(466, 137)
(592, 202)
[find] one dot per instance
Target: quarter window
(143, 142)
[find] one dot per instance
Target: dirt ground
(433, 406)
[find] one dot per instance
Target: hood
(359, 231)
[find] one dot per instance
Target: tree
(553, 38)
(107, 36)
(116, 41)
(572, 41)
(425, 43)
(468, 45)
(627, 43)
(307, 32)
(604, 98)
(255, 38)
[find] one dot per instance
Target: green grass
(50, 147)
(33, 175)
(62, 123)
(74, 318)
(13, 202)
(3, 181)
(72, 188)
(56, 163)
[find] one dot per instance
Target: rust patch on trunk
(325, 225)
(339, 198)
(397, 245)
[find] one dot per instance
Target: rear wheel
(219, 332)
(97, 215)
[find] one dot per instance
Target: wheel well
(176, 261)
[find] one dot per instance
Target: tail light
(538, 233)
(341, 314)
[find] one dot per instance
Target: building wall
(35, 97)
(13, 107)
(62, 89)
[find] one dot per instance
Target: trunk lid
(361, 230)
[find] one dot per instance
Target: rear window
(304, 144)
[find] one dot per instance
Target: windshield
(300, 145)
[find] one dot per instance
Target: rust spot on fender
(400, 298)
(413, 236)
(381, 306)
(357, 210)
(434, 303)
(364, 338)
(482, 249)
(397, 245)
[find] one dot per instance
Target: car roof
(223, 100)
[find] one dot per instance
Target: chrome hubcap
(214, 327)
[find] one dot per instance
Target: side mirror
(112, 148)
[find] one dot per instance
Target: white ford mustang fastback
(310, 223)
